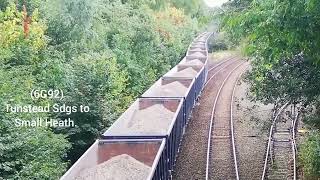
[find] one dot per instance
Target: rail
(218, 70)
(232, 129)
(212, 118)
(269, 140)
(294, 147)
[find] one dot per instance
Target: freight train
(143, 143)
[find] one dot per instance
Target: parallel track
(220, 63)
(228, 62)
(280, 159)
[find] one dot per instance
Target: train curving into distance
(144, 141)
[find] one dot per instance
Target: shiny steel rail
(228, 61)
(211, 122)
(294, 147)
(234, 151)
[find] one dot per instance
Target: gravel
(194, 62)
(197, 45)
(188, 72)
(251, 120)
(174, 89)
(155, 119)
(197, 54)
(197, 49)
(122, 167)
(152, 120)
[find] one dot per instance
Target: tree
(282, 37)
(25, 153)
(101, 53)
(275, 33)
(97, 82)
(310, 155)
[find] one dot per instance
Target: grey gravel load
(199, 43)
(197, 49)
(174, 89)
(154, 120)
(194, 62)
(197, 54)
(198, 46)
(188, 72)
(121, 167)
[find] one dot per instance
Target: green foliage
(310, 155)
(71, 25)
(218, 42)
(96, 81)
(191, 7)
(38, 155)
(313, 117)
(293, 79)
(101, 53)
(131, 37)
(274, 33)
(14, 48)
(25, 153)
(282, 25)
(282, 37)
(30, 5)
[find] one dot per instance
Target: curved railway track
(221, 161)
(191, 160)
(280, 159)
(212, 74)
(219, 64)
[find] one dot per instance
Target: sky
(215, 3)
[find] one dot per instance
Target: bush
(218, 42)
(310, 155)
(101, 53)
(95, 81)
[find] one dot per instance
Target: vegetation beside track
(282, 38)
(101, 53)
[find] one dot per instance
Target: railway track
(280, 159)
(191, 160)
(219, 64)
(212, 74)
(221, 162)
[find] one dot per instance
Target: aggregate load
(174, 89)
(201, 46)
(197, 49)
(195, 62)
(188, 72)
(202, 39)
(197, 54)
(198, 43)
(155, 119)
(121, 167)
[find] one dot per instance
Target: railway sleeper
(281, 140)
(220, 137)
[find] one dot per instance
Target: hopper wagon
(152, 118)
(139, 159)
